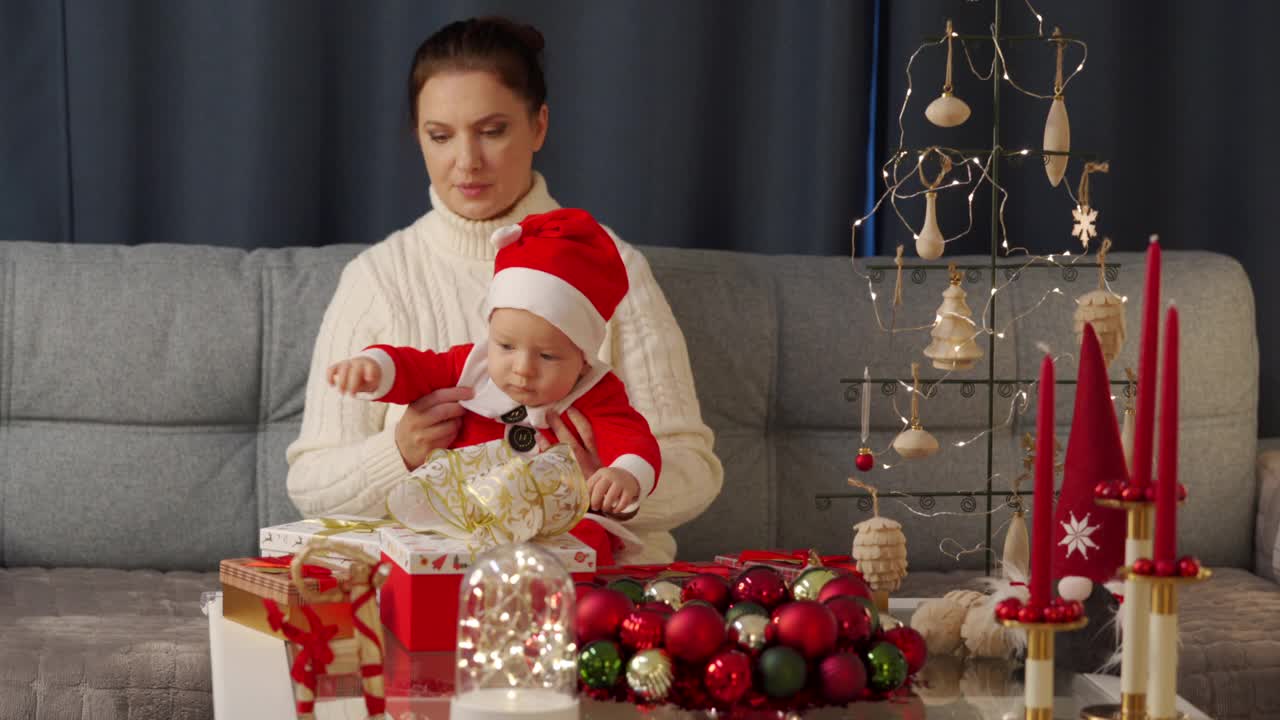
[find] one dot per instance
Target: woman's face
(478, 140)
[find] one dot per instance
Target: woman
(477, 99)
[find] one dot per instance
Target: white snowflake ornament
(1076, 536)
(1085, 218)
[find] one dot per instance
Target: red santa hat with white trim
(563, 267)
(1088, 539)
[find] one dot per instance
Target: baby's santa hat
(563, 267)
(1088, 539)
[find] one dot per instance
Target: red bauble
(694, 633)
(599, 614)
(1107, 491)
(1074, 610)
(583, 589)
(1150, 493)
(843, 677)
(642, 629)
(1054, 614)
(912, 644)
(1166, 568)
(1100, 490)
(707, 587)
(1182, 492)
(807, 626)
(1008, 609)
(1188, 566)
(865, 460)
(659, 607)
(853, 626)
(761, 585)
(851, 585)
(1031, 614)
(728, 676)
(1143, 566)
(1131, 493)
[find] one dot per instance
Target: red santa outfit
(563, 267)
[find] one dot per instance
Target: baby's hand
(355, 375)
(612, 489)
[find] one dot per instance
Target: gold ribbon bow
(489, 495)
(335, 526)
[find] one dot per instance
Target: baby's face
(530, 359)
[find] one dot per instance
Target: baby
(557, 280)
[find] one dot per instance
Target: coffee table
(251, 681)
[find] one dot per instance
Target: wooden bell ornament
(1015, 561)
(880, 550)
(953, 346)
(1102, 309)
(930, 243)
(915, 441)
(1057, 128)
(947, 110)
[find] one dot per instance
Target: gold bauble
(649, 674)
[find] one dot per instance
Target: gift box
(246, 582)
(790, 563)
(419, 601)
(351, 532)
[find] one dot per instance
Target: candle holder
(1137, 610)
(1038, 682)
(1162, 670)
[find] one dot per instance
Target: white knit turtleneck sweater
(423, 286)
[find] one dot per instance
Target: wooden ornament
(1104, 310)
(1057, 128)
(880, 550)
(947, 110)
(930, 243)
(953, 346)
(915, 441)
(1015, 561)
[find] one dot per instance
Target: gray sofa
(147, 395)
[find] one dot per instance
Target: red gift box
(419, 602)
(790, 563)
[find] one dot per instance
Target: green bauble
(699, 602)
(886, 667)
(744, 607)
(873, 613)
(782, 671)
(600, 664)
(811, 581)
(631, 588)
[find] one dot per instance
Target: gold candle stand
(1038, 685)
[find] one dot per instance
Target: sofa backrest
(147, 395)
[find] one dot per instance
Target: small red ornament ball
(1131, 493)
(642, 629)
(1074, 610)
(853, 626)
(1008, 609)
(761, 585)
(843, 677)
(709, 588)
(1182, 492)
(912, 644)
(599, 615)
(1188, 566)
(865, 461)
(1100, 490)
(1055, 614)
(1107, 491)
(1143, 566)
(728, 676)
(807, 626)
(694, 633)
(851, 585)
(1150, 493)
(1031, 614)
(1166, 568)
(583, 589)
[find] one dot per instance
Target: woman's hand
(429, 423)
(585, 452)
(355, 375)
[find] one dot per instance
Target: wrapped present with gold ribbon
(247, 582)
(350, 532)
(462, 502)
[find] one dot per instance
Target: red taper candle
(1145, 418)
(1166, 540)
(1042, 511)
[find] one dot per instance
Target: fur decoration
(938, 621)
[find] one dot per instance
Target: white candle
(522, 703)
(1162, 674)
(1137, 608)
(1038, 675)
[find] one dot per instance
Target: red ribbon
(322, 575)
(375, 705)
(790, 556)
(648, 571)
(314, 653)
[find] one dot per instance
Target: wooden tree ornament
(880, 550)
(1102, 309)
(947, 110)
(915, 441)
(953, 346)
